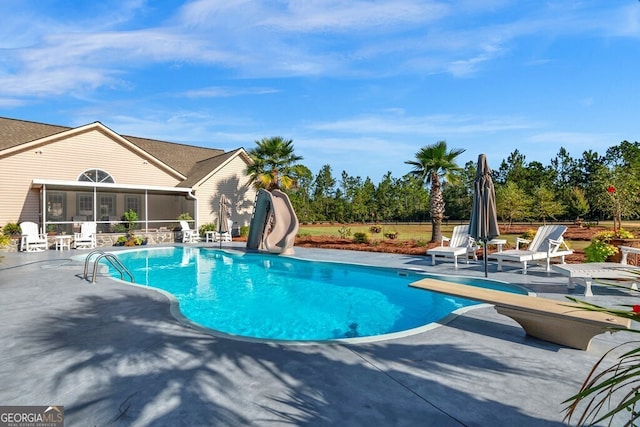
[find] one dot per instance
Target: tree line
(589, 187)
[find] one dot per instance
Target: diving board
(555, 321)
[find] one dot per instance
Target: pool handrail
(113, 260)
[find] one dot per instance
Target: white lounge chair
(546, 244)
(188, 234)
(86, 238)
(32, 240)
(460, 244)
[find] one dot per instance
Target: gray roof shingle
(191, 161)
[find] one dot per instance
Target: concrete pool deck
(112, 354)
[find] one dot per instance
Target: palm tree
(434, 163)
(273, 164)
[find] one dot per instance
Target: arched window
(95, 175)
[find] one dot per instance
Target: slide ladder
(113, 260)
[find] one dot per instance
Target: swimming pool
(280, 298)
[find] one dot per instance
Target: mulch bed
(411, 247)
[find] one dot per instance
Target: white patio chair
(548, 243)
(32, 240)
(188, 234)
(86, 238)
(459, 244)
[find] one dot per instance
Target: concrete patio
(112, 354)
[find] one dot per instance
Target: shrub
(11, 228)
(185, 216)
(244, 231)
(375, 228)
(606, 236)
(131, 217)
(5, 240)
(119, 228)
(421, 243)
(529, 234)
(211, 226)
(361, 237)
(344, 232)
(599, 251)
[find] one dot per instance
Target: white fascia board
(110, 186)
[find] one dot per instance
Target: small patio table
(598, 270)
(498, 243)
(63, 242)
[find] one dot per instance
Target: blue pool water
(272, 297)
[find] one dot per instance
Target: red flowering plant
(619, 199)
(610, 391)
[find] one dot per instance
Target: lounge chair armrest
(444, 239)
(553, 245)
(521, 240)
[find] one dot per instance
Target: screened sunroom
(64, 205)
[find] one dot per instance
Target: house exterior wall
(232, 182)
(66, 159)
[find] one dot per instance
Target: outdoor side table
(210, 235)
(63, 242)
(597, 270)
(498, 243)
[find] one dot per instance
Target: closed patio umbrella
(223, 224)
(483, 225)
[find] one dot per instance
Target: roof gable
(182, 158)
(208, 167)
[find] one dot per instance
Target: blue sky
(360, 85)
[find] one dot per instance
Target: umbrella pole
(484, 258)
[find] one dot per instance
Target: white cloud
(423, 125)
(226, 91)
(293, 38)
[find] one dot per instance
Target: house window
(133, 203)
(107, 205)
(95, 175)
(56, 206)
(85, 204)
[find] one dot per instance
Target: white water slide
(274, 224)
